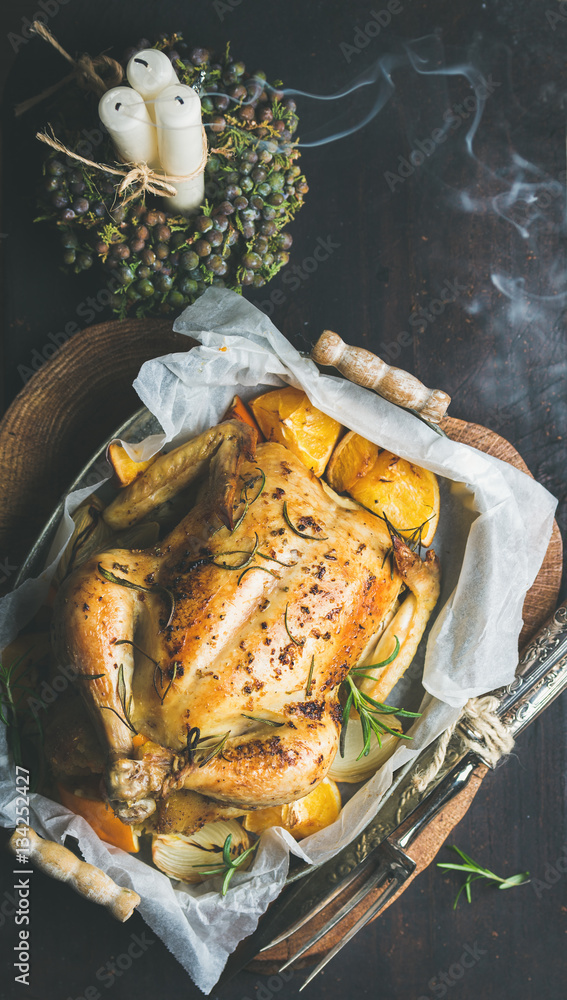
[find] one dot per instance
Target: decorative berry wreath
(157, 262)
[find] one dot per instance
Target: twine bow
(97, 74)
(138, 176)
(486, 729)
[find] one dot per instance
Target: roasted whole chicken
(213, 660)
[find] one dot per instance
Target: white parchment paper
(497, 527)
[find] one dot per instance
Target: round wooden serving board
(76, 401)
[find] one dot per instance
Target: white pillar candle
(180, 144)
(126, 117)
(149, 72)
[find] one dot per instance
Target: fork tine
(396, 880)
(375, 881)
(328, 898)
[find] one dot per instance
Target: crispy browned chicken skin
(272, 640)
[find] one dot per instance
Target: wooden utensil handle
(370, 371)
(60, 863)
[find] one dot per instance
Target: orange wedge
(301, 818)
(102, 819)
(287, 416)
(124, 468)
(386, 484)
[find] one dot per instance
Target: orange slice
(124, 468)
(384, 483)
(301, 818)
(287, 416)
(102, 819)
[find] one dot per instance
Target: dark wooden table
(456, 271)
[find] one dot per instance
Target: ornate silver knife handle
(540, 678)
(541, 675)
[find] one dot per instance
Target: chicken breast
(225, 645)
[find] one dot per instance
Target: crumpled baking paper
(496, 524)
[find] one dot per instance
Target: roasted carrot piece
(103, 821)
(239, 411)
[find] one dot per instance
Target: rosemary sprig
(156, 589)
(312, 538)
(18, 722)
(121, 692)
(176, 666)
(215, 751)
(414, 540)
(244, 499)
(263, 483)
(158, 670)
(310, 678)
(410, 536)
(124, 721)
(368, 710)
(360, 671)
(267, 722)
(476, 871)
(263, 568)
(278, 561)
(193, 740)
(229, 865)
(241, 518)
(128, 642)
(296, 642)
(246, 562)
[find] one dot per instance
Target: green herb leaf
(244, 496)
(176, 665)
(267, 722)
(296, 642)
(310, 678)
(312, 538)
(250, 568)
(278, 561)
(384, 663)
(128, 642)
(476, 872)
(124, 721)
(246, 562)
(230, 865)
(121, 692)
(370, 712)
(163, 592)
(226, 851)
(346, 716)
(515, 880)
(215, 751)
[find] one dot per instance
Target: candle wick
(117, 106)
(142, 61)
(180, 99)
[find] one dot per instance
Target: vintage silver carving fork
(540, 678)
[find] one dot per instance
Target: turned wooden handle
(368, 370)
(60, 863)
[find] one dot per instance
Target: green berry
(188, 286)
(252, 261)
(175, 299)
(189, 260)
(163, 283)
(145, 288)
